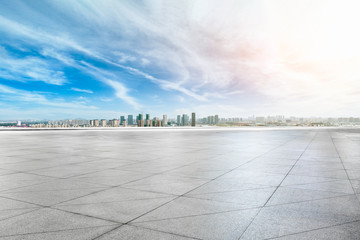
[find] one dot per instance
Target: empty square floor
(301, 183)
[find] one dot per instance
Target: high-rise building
(216, 119)
(178, 122)
(193, 119)
(92, 123)
(164, 121)
(122, 118)
(140, 120)
(185, 120)
(147, 116)
(103, 122)
(130, 120)
(124, 123)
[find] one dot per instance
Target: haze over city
(100, 59)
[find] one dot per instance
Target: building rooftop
(180, 184)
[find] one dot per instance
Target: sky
(63, 59)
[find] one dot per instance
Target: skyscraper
(164, 121)
(130, 120)
(193, 119)
(216, 119)
(122, 118)
(141, 120)
(185, 120)
(178, 122)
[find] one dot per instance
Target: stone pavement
(180, 184)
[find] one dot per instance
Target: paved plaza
(180, 184)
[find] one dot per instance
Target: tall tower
(122, 118)
(193, 119)
(141, 120)
(185, 120)
(178, 120)
(216, 119)
(164, 121)
(130, 120)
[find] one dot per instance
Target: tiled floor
(180, 184)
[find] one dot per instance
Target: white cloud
(29, 69)
(110, 79)
(81, 90)
(122, 92)
(64, 42)
(24, 97)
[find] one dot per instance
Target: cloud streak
(82, 90)
(29, 69)
(27, 97)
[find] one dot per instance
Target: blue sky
(102, 59)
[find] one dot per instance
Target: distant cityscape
(185, 120)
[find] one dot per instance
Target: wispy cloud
(121, 91)
(110, 79)
(26, 97)
(81, 90)
(29, 69)
(62, 43)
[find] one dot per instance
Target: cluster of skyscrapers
(140, 121)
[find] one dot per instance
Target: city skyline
(86, 59)
(185, 120)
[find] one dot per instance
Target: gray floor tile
(287, 219)
(220, 226)
(339, 186)
(59, 184)
(226, 185)
(122, 212)
(76, 234)
(299, 180)
(178, 188)
(6, 203)
(9, 213)
(184, 207)
(349, 231)
(116, 195)
(285, 195)
(250, 198)
(46, 220)
(136, 233)
(48, 198)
